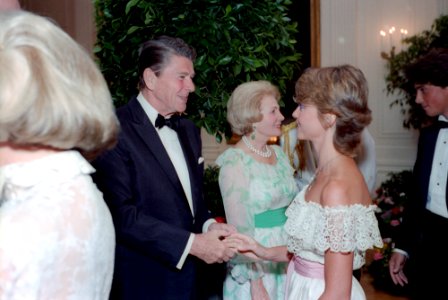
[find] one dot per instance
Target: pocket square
(200, 160)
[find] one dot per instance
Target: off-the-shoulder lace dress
(314, 229)
(57, 238)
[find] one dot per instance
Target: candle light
(391, 37)
(382, 40)
(403, 33)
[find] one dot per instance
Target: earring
(328, 122)
(252, 135)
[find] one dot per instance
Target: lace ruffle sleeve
(312, 227)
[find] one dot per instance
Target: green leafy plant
(417, 45)
(236, 41)
(390, 199)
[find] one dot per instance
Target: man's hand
(210, 247)
(396, 264)
(222, 226)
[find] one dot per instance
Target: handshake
(222, 242)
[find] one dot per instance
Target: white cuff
(186, 251)
(207, 224)
(401, 252)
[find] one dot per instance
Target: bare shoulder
(335, 192)
(345, 192)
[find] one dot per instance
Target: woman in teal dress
(257, 184)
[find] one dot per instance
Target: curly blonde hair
(342, 91)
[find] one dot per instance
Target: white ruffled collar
(28, 174)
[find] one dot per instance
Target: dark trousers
(429, 262)
(357, 274)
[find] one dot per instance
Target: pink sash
(305, 268)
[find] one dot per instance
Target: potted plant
(390, 199)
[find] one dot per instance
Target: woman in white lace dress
(331, 222)
(257, 185)
(57, 239)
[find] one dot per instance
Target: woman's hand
(246, 246)
(257, 290)
(251, 249)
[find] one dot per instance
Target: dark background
(299, 12)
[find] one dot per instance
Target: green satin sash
(271, 218)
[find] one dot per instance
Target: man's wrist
(207, 224)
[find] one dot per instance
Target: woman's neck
(10, 153)
(325, 150)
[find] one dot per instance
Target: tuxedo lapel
(428, 147)
(190, 158)
(148, 135)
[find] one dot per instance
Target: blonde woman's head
(243, 107)
(51, 91)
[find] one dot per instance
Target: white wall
(350, 34)
(76, 17)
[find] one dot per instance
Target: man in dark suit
(152, 182)
(423, 240)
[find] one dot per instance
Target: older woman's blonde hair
(342, 91)
(51, 91)
(243, 107)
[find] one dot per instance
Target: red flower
(220, 219)
(394, 223)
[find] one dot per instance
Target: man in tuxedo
(152, 182)
(423, 240)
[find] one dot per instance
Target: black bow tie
(172, 122)
(442, 124)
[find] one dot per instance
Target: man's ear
(150, 78)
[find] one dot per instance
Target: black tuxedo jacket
(414, 211)
(151, 214)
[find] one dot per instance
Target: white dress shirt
(172, 145)
(438, 179)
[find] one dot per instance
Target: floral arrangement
(390, 199)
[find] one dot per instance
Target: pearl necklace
(267, 153)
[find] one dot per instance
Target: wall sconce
(391, 39)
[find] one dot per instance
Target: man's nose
(190, 86)
(418, 97)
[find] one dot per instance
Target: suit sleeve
(136, 200)
(414, 209)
